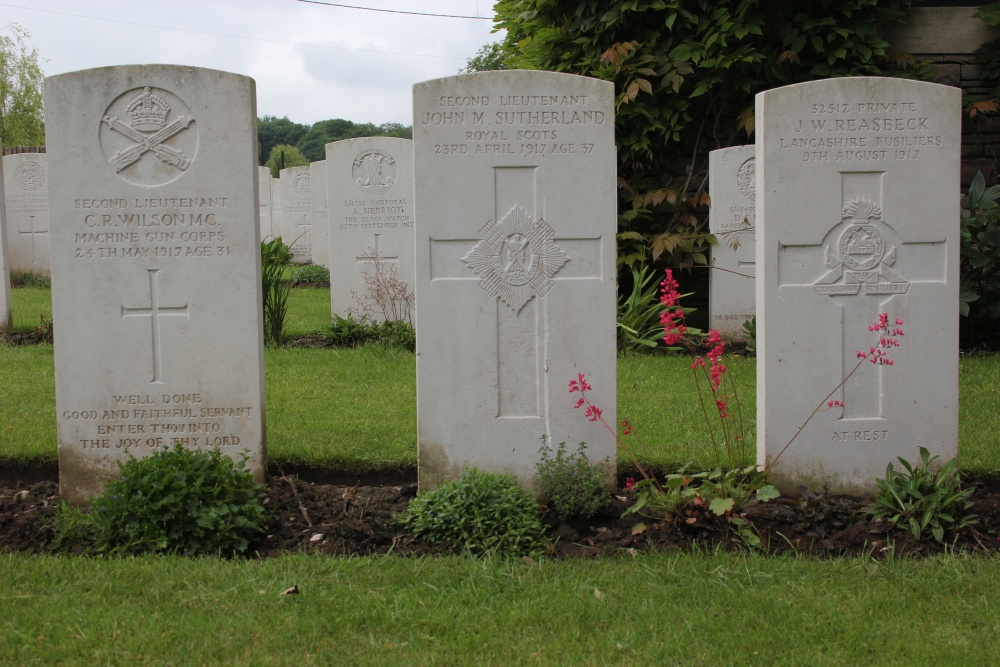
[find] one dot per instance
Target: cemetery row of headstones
(511, 206)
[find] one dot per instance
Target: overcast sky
(311, 61)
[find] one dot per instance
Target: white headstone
(264, 201)
(370, 181)
(296, 212)
(6, 320)
(515, 199)
(156, 281)
(27, 191)
(277, 212)
(731, 219)
(858, 198)
(320, 231)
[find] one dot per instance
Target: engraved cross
(517, 259)
(376, 257)
(31, 234)
(154, 312)
(863, 273)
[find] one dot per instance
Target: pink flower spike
(579, 403)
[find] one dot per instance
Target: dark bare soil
(337, 518)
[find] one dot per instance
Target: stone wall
(948, 37)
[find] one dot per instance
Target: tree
(272, 131)
(685, 74)
(489, 57)
(283, 156)
(21, 118)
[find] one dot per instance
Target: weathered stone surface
(295, 221)
(264, 202)
(515, 255)
(731, 219)
(6, 320)
(320, 230)
(370, 183)
(156, 267)
(27, 196)
(858, 198)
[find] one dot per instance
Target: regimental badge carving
(374, 171)
(30, 176)
(746, 179)
(861, 257)
(301, 183)
(149, 136)
(516, 258)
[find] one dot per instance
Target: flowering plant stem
(887, 337)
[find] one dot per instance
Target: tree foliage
(489, 57)
(685, 75)
(283, 156)
(21, 78)
(311, 140)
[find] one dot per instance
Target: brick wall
(948, 37)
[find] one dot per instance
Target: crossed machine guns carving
(149, 142)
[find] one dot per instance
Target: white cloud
(306, 83)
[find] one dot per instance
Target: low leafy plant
(980, 264)
(639, 325)
(275, 257)
(922, 500)
(354, 331)
(311, 275)
(349, 331)
(750, 334)
(178, 500)
(572, 485)
(29, 279)
(397, 334)
(694, 498)
(481, 513)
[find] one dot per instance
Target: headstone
(515, 193)
(320, 231)
(264, 201)
(731, 220)
(277, 212)
(296, 212)
(27, 191)
(858, 194)
(6, 320)
(156, 283)
(370, 181)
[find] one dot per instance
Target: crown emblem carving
(148, 111)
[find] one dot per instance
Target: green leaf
(767, 492)
(719, 506)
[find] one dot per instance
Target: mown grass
(677, 609)
(356, 409)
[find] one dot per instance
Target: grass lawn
(677, 609)
(320, 402)
(356, 409)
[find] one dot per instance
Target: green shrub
(178, 500)
(980, 265)
(275, 256)
(29, 279)
(315, 275)
(572, 485)
(481, 513)
(922, 500)
(397, 334)
(639, 311)
(355, 332)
